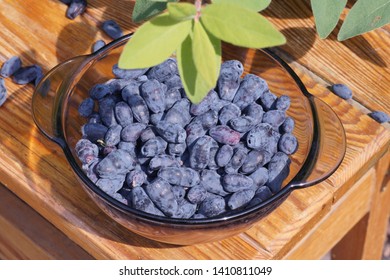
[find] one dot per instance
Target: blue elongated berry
(178, 113)
(229, 79)
(194, 131)
(254, 160)
(10, 66)
(111, 185)
(208, 119)
(236, 161)
(153, 147)
(179, 193)
(115, 163)
(162, 161)
(287, 126)
(196, 194)
(242, 124)
(147, 134)
(100, 91)
(342, 91)
(132, 132)
(268, 100)
(211, 181)
(236, 182)
(200, 153)
(172, 133)
(25, 75)
(113, 135)
(251, 88)
(155, 118)
(177, 149)
(128, 147)
(136, 178)
(174, 82)
(263, 192)
(224, 155)
(205, 104)
(278, 169)
(263, 137)
(380, 116)
(211, 207)
(154, 95)
(240, 198)
(3, 92)
(123, 113)
(254, 111)
(186, 209)
(163, 71)
(94, 131)
(161, 194)
(106, 111)
(76, 8)
(97, 45)
(288, 143)
(141, 201)
(172, 95)
(274, 118)
(283, 103)
(86, 151)
(259, 176)
(127, 87)
(181, 176)
(86, 107)
(225, 135)
(138, 107)
(112, 29)
(228, 112)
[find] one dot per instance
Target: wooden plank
(364, 66)
(353, 205)
(35, 169)
(366, 239)
(24, 234)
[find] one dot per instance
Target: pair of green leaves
(197, 41)
(364, 16)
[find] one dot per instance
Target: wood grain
(35, 170)
(26, 235)
(362, 62)
(345, 214)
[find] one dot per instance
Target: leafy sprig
(364, 16)
(194, 33)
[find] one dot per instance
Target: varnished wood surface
(35, 170)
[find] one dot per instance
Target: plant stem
(198, 6)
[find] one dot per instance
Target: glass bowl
(320, 135)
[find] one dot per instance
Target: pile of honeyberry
(145, 144)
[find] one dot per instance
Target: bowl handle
(47, 97)
(328, 148)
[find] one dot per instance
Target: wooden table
(44, 213)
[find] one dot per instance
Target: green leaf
(193, 85)
(154, 42)
(207, 57)
(326, 14)
(364, 16)
(144, 9)
(240, 26)
(181, 11)
(255, 5)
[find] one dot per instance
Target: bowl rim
(230, 215)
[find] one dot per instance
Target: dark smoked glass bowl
(320, 135)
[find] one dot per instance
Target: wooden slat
(353, 205)
(24, 234)
(366, 239)
(35, 170)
